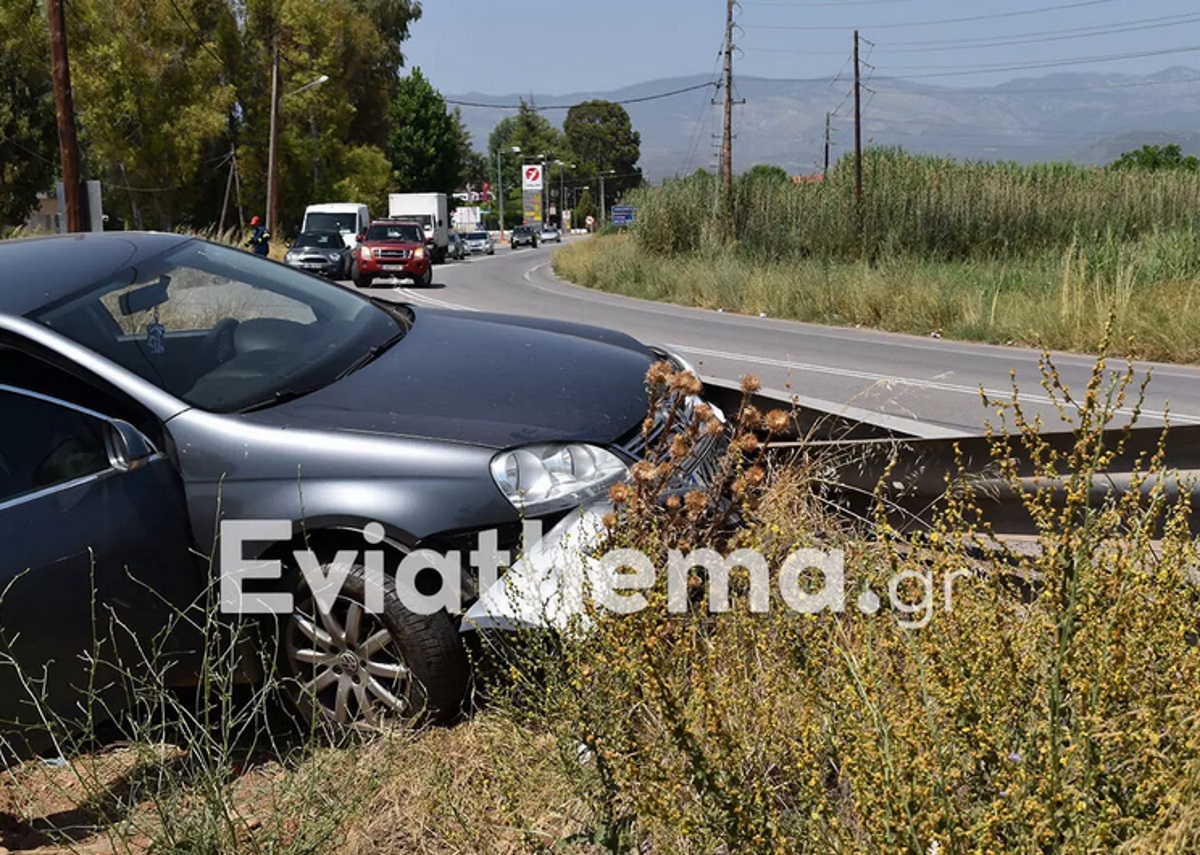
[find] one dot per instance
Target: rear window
(396, 231)
(477, 236)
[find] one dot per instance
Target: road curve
(929, 386)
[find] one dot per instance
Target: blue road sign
(622, 215)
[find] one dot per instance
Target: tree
(767, 174)
(425, 144)
(1153, 158)
(28, 135)
(601, 137)
(153, 98)
(537, 138)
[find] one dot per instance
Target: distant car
(455, 248)
(324, 253)
(523, 236)
(392, 250)
(480, 242)
(550, 233)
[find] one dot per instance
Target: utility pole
(727, 129)
(273, 145)
(68, 143)
(825, 171)
(858, 183)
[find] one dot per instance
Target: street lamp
(273, 144)
(516, 149)
(562, 189)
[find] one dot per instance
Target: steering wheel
(218, 345)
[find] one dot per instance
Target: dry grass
(1059, 301)
(979, 720)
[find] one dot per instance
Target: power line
(938, 45)
(541, 109)
(958, 71)
(1099, 87)
(993, 16)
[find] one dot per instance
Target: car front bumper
(322, 267)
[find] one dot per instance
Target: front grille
(702, 466)
(398, 254)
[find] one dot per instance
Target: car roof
(38, 271)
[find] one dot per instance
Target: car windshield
(222, 329)
(477, 236)
(395, 231)
(319, 240)
(344, 223)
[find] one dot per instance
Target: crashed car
(172, 410)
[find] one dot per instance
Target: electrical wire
(958, 71)
(540, 109)
(903, 24)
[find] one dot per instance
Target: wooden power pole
(858, 182)
(68, 144)
(727, 129)
(825, 171)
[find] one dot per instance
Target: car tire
(394, 665)
(427, 280)
(361, 281)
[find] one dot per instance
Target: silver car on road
(480, 242)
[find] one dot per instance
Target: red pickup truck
(390, 250)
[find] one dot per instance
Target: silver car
(550, 234)
(480, 242)
(455, 247)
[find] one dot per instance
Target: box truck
(431, 211)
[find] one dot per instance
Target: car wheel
(358, 669)
(361, 281)
(426, 280)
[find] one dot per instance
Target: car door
(95, 565)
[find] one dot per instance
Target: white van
(350, 219)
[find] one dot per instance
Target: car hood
(486, 379)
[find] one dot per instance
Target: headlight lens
(419, 252)
(541, 479)
(365, 253)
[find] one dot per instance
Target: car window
(222, 329)
(399, 231)
(198, 299)
(477, 236)
(322, 221)
(320, 240)
(45, 444)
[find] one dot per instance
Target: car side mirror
(127, 448)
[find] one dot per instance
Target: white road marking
(887, 380)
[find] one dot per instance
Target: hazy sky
(564, 46)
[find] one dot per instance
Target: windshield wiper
(370, 355)
(280, 396)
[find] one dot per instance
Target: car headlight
(364, 253)
(540, 479)
(419, 252)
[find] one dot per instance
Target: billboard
(531, 177)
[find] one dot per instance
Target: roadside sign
(590, 220)
(623, 215)
(531, 176)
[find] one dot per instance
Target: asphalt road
(926, 386)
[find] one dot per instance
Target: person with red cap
(260, 239)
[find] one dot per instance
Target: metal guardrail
(859, 450)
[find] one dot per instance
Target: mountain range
(1082, 117)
